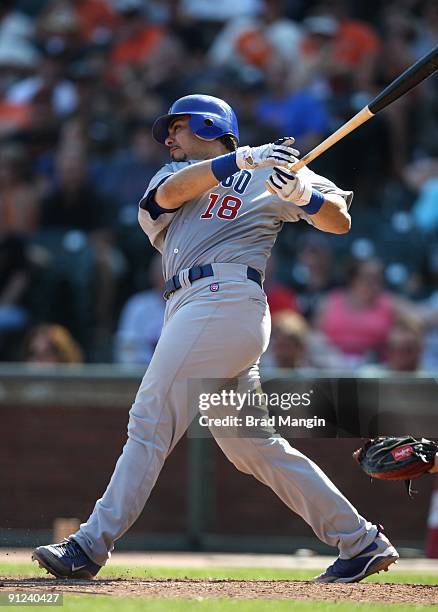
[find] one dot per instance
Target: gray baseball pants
(214, 334)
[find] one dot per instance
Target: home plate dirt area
(239, 589)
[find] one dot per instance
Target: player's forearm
(327, 211)
(194, 180)
(333, 216)
(185, 185)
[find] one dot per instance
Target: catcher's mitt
(397, 458)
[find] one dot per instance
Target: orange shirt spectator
(354, 41)
(93, 15)
(137, 47)
(13, 116)
(337, 48)
(254, 47)
(351, 41)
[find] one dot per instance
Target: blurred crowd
(81, 82)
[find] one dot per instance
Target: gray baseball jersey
(217, 334)
(237, 221)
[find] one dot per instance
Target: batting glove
(291, 187)
(279, 153)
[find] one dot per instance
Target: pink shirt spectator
(354, 330)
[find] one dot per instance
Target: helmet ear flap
(204, 127)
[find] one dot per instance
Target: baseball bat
(411, 77)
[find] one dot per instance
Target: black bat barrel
(419, 71)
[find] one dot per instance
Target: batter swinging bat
(411, 77)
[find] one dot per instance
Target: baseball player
(210, 215)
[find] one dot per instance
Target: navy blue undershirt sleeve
(155, 210)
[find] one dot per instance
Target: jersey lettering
(242, 182)
(239, 182)
(228, 207)
(228, 181)
(207, 214)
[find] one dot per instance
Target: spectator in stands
(428, 314)
(316, 50)
(123, 178)
(58, 29)
(280, 297)
(227, 10)
(80, 81)
(128, 172)
(50, 344)
(394, 56)
(41, 130)
(141, 320)
(403, 349)
(423, 177)
(19, 194)
(296, 345)
(15, 283)
(136, 39)
(49, 80)
(16, 28)
(18, 58)
(96, 19)
(145, 61)
(348, 60)
(289, 340)
(257, 41)
(291, 109)
(313, 271)
(427, 32)
(13, 116)
(427, 311)
(76, 204)
(197, 24)
(357, 319)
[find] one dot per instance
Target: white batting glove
(291, 187)
(279, 153)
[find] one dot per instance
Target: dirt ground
(239, 589)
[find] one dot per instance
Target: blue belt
(198, 272)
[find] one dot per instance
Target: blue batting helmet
(210, 118)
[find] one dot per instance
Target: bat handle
(363, 115)
(291, 168)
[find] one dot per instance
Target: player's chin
(178, 155)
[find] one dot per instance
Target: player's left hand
(278, 153)
(290, 186)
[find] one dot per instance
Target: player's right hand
(280, 153)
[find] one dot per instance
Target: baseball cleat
(65, 560)
(373, 559)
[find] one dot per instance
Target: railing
(56, 421)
